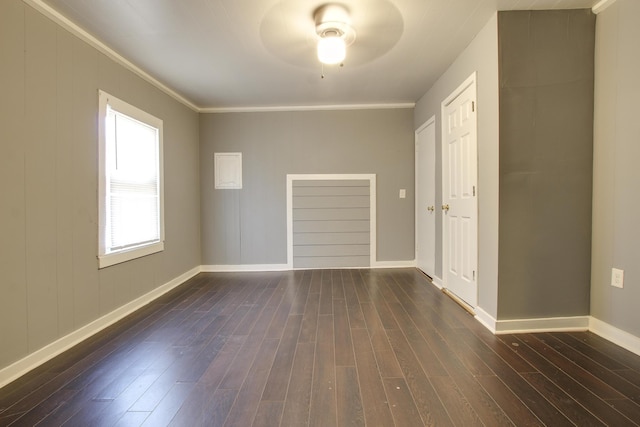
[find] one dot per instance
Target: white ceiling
(226, 54)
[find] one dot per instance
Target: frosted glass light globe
(331, 50)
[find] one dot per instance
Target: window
(130, 182)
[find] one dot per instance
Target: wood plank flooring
(324, 348)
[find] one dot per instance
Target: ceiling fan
(297, 32)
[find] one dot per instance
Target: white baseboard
(520, 326)
(244, 267)
(485, 319)
(394, 264)
(617, 336)
(555, 324)
(547, 324)
(437, 282)
(37, 358)
(285, 267)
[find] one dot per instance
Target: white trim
(617, 336)
(372, 208)
(578, 323)
(545, 324)
(257, 109)
(77, 31)
(49, 351)
(519, 326)
(602, 5)
(485, 319)
(244, 267)
(437, 282)
(106, 258)
(430, 121)
(454, 94)
(332, 268)
(394, 264)
(237, 268)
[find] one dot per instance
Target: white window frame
(107, 257)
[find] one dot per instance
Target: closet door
(426, 197)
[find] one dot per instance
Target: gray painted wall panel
(331, 213)
(64, 191)
(320, 183)
(330, 226)
(51, 286)
(329, 190)
(361, 238)
(616, 204)
(309, 202)
(546, 146)
(13, 301)
(40, 173)
(250, 226)
(84, 183)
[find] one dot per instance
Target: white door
(426, 197)
(459, 201)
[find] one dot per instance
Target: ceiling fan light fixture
(331, 49)
(334, 31)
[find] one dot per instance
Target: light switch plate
(403, 193)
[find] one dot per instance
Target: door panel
(459, 203)
(453, 245)
(425, 197)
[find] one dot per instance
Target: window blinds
(133, 184)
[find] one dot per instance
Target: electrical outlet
(617, 278)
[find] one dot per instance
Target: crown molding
(602, 5)
(307, 108)
(79, 32)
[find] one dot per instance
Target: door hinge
(474, 275)
(473, 106)
(474, 190)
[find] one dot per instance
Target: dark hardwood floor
(323, 348)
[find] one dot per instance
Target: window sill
(128, 255)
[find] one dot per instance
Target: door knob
(445, 208)
(431, 208)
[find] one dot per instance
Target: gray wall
(616, 175)
(248, 226)
(546, 144)
(50, 283)
(480, 56)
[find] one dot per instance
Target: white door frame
(418, 189)
(371, 177)
(471, 80)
